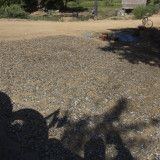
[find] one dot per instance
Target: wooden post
(108, 3)
(96, 7)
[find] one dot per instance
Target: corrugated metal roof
(130, 4)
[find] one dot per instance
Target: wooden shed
(131, 4)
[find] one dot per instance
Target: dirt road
(24, 29)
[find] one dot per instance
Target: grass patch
(104, 11)
(90, 5)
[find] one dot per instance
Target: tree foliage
(140, 11)
(157, 2)
(28, 5)
(31, 5)
(9, 2)
(53, 4)
(153, 1)
(13, 11)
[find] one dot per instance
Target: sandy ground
(23, 29)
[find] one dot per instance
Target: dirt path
(22, 29)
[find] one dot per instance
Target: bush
(152, 9)
(2, 12)
(13, 11)
(140, 11)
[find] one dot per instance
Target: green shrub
(140, 11)
(152, 9)
(2, 12)
(13, 11)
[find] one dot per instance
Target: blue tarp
(87, 35)
(124, 37)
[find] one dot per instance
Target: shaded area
(96, 146)
(95, 149)
(123, 152)
(74, 9)
(146, 50)
(24, 134)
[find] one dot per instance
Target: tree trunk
(108, 2)
(39, 4)
(66, 1)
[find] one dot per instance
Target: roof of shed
(130, 4)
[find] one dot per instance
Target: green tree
(9, 2)
(157, 2)
(30, 5)
(148, 1)
(66, 2)
(50, 4)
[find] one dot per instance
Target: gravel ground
(69, 97)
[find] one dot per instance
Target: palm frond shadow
(26, 132)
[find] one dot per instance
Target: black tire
(149, 24)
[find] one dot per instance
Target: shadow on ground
(24, 134)
(146, 50)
